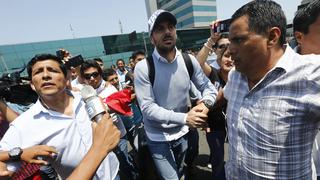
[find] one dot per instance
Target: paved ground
(201, 171)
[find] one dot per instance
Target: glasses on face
(88, 76)
(222, 46)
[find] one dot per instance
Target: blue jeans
(216, 145)
(126, 165)
(168, 157)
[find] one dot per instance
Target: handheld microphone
(93, 104)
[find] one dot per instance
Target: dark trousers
(193, 147)
(216, 144)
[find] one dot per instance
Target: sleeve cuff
(185, 118)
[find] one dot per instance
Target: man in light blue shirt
(57, 119)
(164, 104)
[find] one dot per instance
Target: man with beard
(164, 102)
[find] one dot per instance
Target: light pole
(144, 43)
(4, 63)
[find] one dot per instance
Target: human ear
(152, 41)
(298, 35)
(274, 36)
(32, 86)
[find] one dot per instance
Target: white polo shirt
(70, 135)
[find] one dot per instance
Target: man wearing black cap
(164, 101)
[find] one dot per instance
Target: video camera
(16, 89)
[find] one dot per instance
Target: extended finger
(201, 115)
(49, 149)
(38, 161)
(4, 174)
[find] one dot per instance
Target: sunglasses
(88, 76)
(222, 46)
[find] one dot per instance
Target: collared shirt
(164, 105)
(271, 128)
(315, 149)
(70, 135)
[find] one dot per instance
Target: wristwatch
(15, 154)
(209, 104)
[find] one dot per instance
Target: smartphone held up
(221, 26)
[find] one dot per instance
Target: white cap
(160, 15)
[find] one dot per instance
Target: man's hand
(106, 136)
(4, 173)
(30, 154)
(201, 108)
(196, 118)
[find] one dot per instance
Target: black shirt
(216, 117)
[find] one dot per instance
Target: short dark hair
(107, 72)
(119, 61)
(306, 16)
(44, 57)
(223, 36)
(263, 15)
(136, 53)
(98, 59)
(88, 64)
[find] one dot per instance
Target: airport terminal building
(109, 48)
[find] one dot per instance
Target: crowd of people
(247, 86)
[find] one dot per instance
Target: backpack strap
(151, 70)
(187, 61)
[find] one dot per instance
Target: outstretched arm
(31, 154)
(8, 113)
(206, 49)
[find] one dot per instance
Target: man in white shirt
(92, 73)
(57, 119)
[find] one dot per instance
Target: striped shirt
(272, 126)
